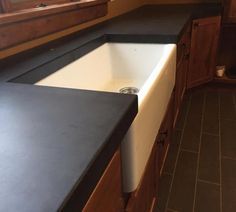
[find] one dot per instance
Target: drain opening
(129, 90)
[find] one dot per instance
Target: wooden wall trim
(22, 5)
(45, 22)
(9, 18)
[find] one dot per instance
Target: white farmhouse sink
(148, 67)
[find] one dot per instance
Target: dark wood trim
(225, 80)
(199, 82)
(154, 205)
(38, 23)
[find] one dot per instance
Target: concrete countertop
(54, 141)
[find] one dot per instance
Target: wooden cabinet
(164, 136)
(204, 43)
(196, 60)
(229, 11)
(108, 195)
(144, 198)
(183, 52)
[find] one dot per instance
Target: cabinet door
(204, 44)
(144, 198)
(180, 81)
(108, 195)
(229, 11)
(165, 134)
(183, 52)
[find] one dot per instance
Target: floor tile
(196, 104)
(182, 193)
(163, 192)
(182, 113)
(227, 105)
(207, 198)
(228, 138)
(203, 103)
(209, 162)
(173, 151)
(191, 134)
(211, 113)
(229, 185)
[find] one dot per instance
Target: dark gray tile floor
(200, 170)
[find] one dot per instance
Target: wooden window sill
(38, 22)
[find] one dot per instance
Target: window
(37, 18)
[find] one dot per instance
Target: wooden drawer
(108, 195)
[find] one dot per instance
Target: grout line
(208, 182)
(228, 158)
(199, 150)
(177, 158)
(188, 150)
(220, 152)
(211, 134)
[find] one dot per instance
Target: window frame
(39, 22)
(8, 6)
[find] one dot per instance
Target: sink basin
(148, 68)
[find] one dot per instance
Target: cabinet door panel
(108, 195)
(180, 85)
(165, 134)
(143, 199)
(204, 43)
(183, 52)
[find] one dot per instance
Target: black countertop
(55, 143)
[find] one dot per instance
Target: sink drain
(129, 90)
